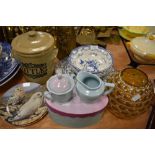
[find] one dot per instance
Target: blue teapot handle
(111, 85)
(48, 95)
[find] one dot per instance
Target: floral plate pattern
(91, 58)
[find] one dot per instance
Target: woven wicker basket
(121, 103)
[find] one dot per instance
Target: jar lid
(32, 42)
(144, 45)
(59, 83)
(134, 77)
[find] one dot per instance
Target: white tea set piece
(60, 88)
(93, 58)
(90, 87)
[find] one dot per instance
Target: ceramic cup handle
(111, 85)
(48, 96)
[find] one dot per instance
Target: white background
(80, 141)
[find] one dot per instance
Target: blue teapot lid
(59, 83)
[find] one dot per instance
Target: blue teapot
(90, 87)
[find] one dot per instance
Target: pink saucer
(78, 108)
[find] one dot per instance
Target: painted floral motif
(91, 58)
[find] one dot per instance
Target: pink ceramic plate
(78, 108)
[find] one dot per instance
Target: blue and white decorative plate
(10, 75)
(8, 65)
(9, 71)
(91, 58)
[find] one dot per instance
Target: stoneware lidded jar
(37, 53)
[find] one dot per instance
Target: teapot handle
(111, 85)
(48, 95)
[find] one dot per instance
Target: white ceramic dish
(144, 47)
(91, 58)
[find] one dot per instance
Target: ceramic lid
(59, 83)
(144, 45)
(32, 42)
(134, 77)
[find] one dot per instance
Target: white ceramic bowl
(91, 58)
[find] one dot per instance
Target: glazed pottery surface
(75, 122)
(130, 32)
(37, 53)
(91, 58)
(60, 88)
(144, 47)
(90, 86)
(65, 68)
(8, 65)
(140, 30)
(77, 113)
(133, 93)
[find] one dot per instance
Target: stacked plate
(143, 48)
(130, 32)
(91, 58)
(8, 65)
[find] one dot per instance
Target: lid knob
(32, 33)
(59, 75)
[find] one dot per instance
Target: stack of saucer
(8, 65)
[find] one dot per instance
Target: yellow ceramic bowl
(136, 30)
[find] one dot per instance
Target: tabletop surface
(109, 121)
